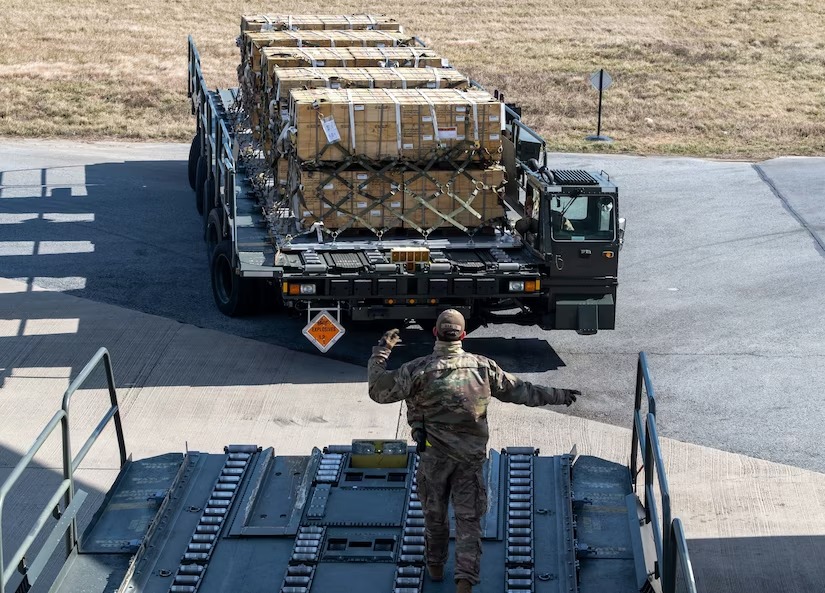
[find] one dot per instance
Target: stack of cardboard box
(364, 129)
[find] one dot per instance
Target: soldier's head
(449, 327)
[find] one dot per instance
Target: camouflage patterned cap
(450, 325)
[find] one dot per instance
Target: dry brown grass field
(725, 78)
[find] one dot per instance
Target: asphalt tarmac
(720, 282)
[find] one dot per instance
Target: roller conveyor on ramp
(348, 518)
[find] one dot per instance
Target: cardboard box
(352, 199)
(318, 22)
(284, 80)
(406, 125)
(358, 199)
(254, 43)
(469, 197)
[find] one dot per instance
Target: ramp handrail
(668, 535)
(679, 557)
(70, 464)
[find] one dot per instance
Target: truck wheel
(214, 230)
(200, 180)
(194, 156)
(229, 290)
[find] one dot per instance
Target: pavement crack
(799, 218)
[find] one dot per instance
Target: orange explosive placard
(323, 331)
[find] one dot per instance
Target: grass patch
(724, 78)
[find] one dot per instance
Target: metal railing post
(70, 464)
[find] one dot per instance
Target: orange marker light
(294, 289)
(608, 254)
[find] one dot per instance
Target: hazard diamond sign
(324, 331)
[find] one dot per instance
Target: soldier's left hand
(390, 339)
(570, 396)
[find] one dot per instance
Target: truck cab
(570, 219)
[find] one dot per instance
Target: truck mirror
(622, 222)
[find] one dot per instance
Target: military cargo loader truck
(346, 518)
(392, 192)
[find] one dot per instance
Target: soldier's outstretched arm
(386, 387)
(509, 388)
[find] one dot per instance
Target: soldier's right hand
(390, 339)
(570, 396)
(420, 438)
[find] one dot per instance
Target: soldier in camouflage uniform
(447, 394)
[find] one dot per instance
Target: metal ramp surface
(251, 521)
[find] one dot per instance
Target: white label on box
(445, 63)
(493, 136)
(335, 85)
(447, 133)
(360, 204)
(425, 138)
(493, 118)
(427, 118)
(319, 63)
(358, 108)
(408, 146)
(461, 109)
(459, 137)
(361, 176)
(459, 118)
(325, 206)
(375, 213)
(329, 186)
(380, 45)
(395, 186)
(307, 213)
(331, 130)
(395, 204)
(430, 85)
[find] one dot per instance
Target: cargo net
(362, 198)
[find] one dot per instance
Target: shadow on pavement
(128, 234)
(30, 496)
(758, 564)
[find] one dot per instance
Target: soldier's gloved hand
(420, 438)
(390, 339)
(570, 396)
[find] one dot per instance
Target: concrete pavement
(719, 281)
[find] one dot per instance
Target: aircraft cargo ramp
(348, 518)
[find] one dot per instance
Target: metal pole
(601, 91)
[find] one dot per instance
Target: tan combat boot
(436, 572)
(463, 586)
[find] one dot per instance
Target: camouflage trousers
(440, 480)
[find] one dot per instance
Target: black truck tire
(200, 180)
(214, 231)
(232, 293)
(194, 156)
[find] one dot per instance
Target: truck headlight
(308, 289)
(516, 286)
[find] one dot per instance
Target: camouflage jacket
(447, 393)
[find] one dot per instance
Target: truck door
(583, 235)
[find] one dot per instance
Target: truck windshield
(583, 218)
